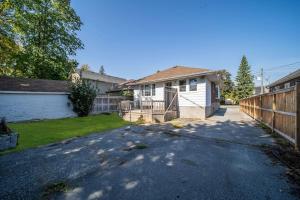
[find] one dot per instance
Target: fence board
(277, 110)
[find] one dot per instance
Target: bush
(4, 129)
(82, 97)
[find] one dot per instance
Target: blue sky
(134, 38)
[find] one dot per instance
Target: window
(147, 90)
(142, 90)
(193, 84)
(182, 85)
(153, 89)
(286, 85)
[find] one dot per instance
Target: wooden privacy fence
(103, 104)
(278, 110)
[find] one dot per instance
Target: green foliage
(54, 188)
(127, 93)
(85, 67)
(82, 96)
(38, 37)
(4, 129)
(228, 85)
(244, 81)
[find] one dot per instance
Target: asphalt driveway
(219, 158)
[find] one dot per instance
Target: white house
(196, 90)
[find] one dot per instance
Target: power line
(284, 66)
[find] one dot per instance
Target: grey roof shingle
(100, 77)
(32, 85)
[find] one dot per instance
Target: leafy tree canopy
(39, 36)
(85, 67)
(228, 85)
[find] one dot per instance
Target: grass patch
(140, 146)
(54, 188)
(34, 134)
(136, 146)
(278, 138)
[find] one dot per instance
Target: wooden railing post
(297, 120)
(129, 111)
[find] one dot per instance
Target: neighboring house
(257, 90)
(197, 90)
(26, 99)
(123, 89)
(285, 82)
(101, 82)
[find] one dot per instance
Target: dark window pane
(193, 84)
(182, 85)
(147, 90)
(153, 89)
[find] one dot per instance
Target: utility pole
(262, 80)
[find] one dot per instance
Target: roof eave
(177, 77)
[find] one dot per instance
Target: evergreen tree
(45, 31)
(244, 81)
(101, 71)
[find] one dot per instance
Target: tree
(8, 47)
(85, 67)
(228, 85)
(244, 81)
(82, 97)
(101, 70)
(45, 31)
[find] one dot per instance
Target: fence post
(273, 111)
(260, 106)
(129, 111)
(297, 127)
(108, 103)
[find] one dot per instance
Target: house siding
(208, 93)
(193, 98)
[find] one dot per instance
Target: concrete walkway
(219, 158)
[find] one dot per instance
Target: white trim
(31, 92)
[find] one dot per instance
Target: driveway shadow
(220, 112)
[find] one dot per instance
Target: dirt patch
(285, 153)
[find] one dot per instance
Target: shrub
(82, 97)
(4, 129)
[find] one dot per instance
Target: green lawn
(33, 134)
